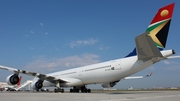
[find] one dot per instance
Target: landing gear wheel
(74, 90)
(55, 90)
(89, 90)
(85, 90)
(77, 90)
(62, 90)
(59, 90)
(82, 91)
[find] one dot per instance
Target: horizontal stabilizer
(173, 57)
(137, 77)
(146, 48)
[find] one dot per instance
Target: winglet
(149, 74)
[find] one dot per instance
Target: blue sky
(46, 36)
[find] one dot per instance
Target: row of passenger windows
(98, 68)
(87, 70)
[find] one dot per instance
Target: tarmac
(94, 96)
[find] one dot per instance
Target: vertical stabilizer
(149, 44)
(159, 26)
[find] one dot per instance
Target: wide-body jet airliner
(148, 51)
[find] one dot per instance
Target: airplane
(148, 51)
(5, 86)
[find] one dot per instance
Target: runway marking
(134, 98)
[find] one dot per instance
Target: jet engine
(37, 85)
(109, 85)
(12, 79)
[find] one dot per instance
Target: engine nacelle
(37, 85)
(12, 79)
(109, 85)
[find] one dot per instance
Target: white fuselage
(104, 72)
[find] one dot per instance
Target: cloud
(173, 68)
(32, 32)
(170, 62)
(45, 65)
(26, 35)
(56, 49)
(32, 48)
(82, 42)
(151, 68)
(104, 48)
(172, 65)
(41, 24)
(46, 33)
(166, 62)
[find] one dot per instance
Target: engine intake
(37, 85)
(109, 85)
(12, 79)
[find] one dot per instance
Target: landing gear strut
(58, 88)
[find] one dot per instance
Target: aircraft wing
(39, 75)
(137, 77)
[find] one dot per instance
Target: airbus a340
(148, 51)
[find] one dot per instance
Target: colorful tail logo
(159, 26)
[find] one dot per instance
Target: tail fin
(19, 83)
(154, 39)
(157, 32)
(159, 26)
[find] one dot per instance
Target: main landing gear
(57, 90)
(77, 89)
